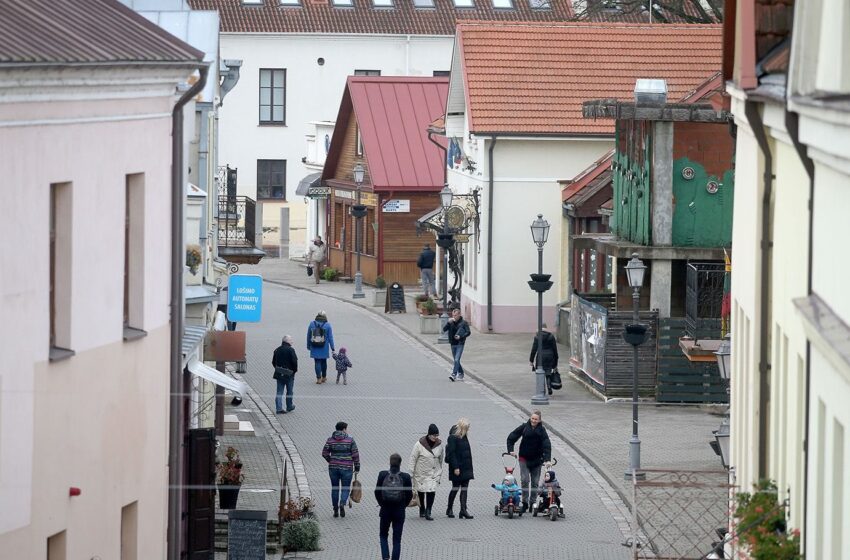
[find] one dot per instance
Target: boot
(450, 513)
(342, 511)
(464, 514)
(421, 511)
(336, 512)
(428, 515)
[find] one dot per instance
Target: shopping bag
(414, 501)
(555, 380)
(356, 490)
(309, 271)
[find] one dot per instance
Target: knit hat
(342, 350)
(433, 430)
(321, 316)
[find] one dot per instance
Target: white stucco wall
(527, 171)
(98, 420)
(314, 93)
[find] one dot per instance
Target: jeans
(341, 485)
(394, 517)
(287, 383)
(321, 367)
(527, 475)
(428, 285)
(457, 352)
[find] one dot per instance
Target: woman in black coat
(459, 458)
(548, 357)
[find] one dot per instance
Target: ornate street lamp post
(540, 283)
(635, 334)
(444, 241)
(724, 365)
(358, 211)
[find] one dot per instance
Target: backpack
(393, 487)
(317, 337)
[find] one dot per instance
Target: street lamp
(540, 283)
(721, 435)
(358, 211)
(635, 334)
(444, 241)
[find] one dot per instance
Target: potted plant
(429, 321)
(419, 300)
(193, 258)
(380, 292)
(330, 274)
(762, 526)
(230, 479)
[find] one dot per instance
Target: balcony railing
(236, 221)
(703, 296)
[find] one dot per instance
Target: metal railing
(703, 294)
(236, 221)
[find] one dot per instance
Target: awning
(214, 376)
(311, 180)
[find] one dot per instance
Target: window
(442, 73)
(61, 247)
(369, 232)
(134, 250)
(359, 145)
(367, 72)
(539, 4)
(273, 96)
(503, 4)
(130, 531)
(423, 3)
(464, 3)
(253, 2)
(383, 3)
(344, 3)
(271, 179)
(290, 2)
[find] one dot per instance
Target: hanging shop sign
(318, 192)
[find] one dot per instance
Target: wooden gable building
(382, 125)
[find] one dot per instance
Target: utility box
(651, 91)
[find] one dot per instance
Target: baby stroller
(510, 492)
(548, 502)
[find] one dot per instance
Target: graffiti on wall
(588, 332)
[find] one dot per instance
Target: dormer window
(423, 3)
(503, 4)
(343, 3)
(290, 2)
(383, 3)
(464, 3)
(252, 2)
(539, 4)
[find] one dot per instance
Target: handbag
(414, 501)
(282, 373)
(356, 490)
(555, 380)
(309, 270)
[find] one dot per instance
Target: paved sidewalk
(672, 436)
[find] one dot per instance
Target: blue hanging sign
(245, 298)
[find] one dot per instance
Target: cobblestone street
(395, 390)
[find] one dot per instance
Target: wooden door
(201, 484)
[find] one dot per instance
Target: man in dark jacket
(534, 450)
(426, 270)
(393, 498)
(548, 357)
(458, 330)
(285, 358)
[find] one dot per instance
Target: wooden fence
(619, 369)
(679, 379)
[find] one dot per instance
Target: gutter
(792, 125)
(175, 418)
(490, 180)
(754, 119)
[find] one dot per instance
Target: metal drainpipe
(175, 419)
(490, 235)
(792, 125)
(757, 125)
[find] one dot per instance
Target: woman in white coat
(426, 468)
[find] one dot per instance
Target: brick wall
(705, 143)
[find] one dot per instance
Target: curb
(478, 379)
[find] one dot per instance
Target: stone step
(231, 422)
(245, 428)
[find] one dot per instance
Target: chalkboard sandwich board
(395, 299)
(246, 535)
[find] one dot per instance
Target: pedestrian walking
(458, 330)
(343, 459)
(316, 256)
(425, 262)
(320, 342)
(285, 362)
(548, 356)
(534, 450)
(393, 491)
(342, 365)
(459, 459)
(426, 467)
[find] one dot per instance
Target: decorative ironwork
(676, 513)
(236, 226)
(703, 294)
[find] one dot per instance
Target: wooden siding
(618, 356)
(400, 242)
(679, 379)
(405, 273)
(348, 157)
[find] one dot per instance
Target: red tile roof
(90, 32)
(321, 16)
(533, 78)
(393, 114)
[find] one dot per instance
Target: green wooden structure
(679, 379)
